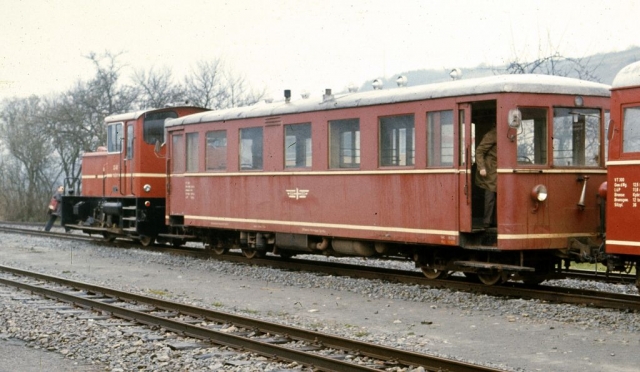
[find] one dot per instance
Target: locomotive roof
(629, 76)
(520, 83)
(136, 114)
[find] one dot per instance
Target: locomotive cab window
(153, 126)
(532, 137)
(440, 138)
(344, 143)
(397, 141)
(297, 145)
(576, 137)
(216, 151)
(130, 141)
(114, 137)
(251, 148)
(631, 129)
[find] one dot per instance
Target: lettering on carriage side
(620, 192)
(189, 191)
(297, 194)
(636, 194)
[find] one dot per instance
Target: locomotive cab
(123, 186)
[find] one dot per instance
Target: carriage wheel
(252, 253)
(490, 278)
(146, 240)
(220, 250)
(177, 243)
(533, 279)
(433, 274)
(108, 237)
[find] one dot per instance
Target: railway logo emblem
(297, 193)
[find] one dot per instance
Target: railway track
(317, 350)
(547, 293)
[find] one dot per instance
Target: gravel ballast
(513, 334)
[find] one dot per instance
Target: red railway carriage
(391, 172)
(623, 179)
(124, 183)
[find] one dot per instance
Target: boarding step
(129, 208)
(128, 218)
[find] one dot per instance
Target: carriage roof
(527, 83)
(629, 76)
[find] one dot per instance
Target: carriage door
(466, 147)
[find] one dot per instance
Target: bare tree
(239, 93)
(157, 88)
(205, 85)
(29, 171)
(212, 86)
(551, 62)
(75, 119)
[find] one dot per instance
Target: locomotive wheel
(433, 274)
(146, 240)
(490, 278)
(252, 253)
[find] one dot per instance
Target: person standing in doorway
(55, 208)
(486, 174)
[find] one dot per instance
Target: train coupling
(585, 250)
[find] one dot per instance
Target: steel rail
(431, 363)
(510, 289)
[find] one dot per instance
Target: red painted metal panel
(623, 181)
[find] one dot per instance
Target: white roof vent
(377, 84)
(401, 81)
(456, 74)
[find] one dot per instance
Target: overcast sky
(310, 44)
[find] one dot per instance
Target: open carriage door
(466, 146)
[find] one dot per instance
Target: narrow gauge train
(622, 190)
(124, 184)
(391, 173)
(380, 173)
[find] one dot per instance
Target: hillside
(603, 66)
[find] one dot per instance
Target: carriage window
(440, 138)
(114, 137)
(576, 137)
(192, 152)
(216, 152)
(251, 148)
(153, 126)
(397, 141)
(297, 145)
(177, 154)
(631, 130)
(344, 143)
(130, 141)
(532, 137)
